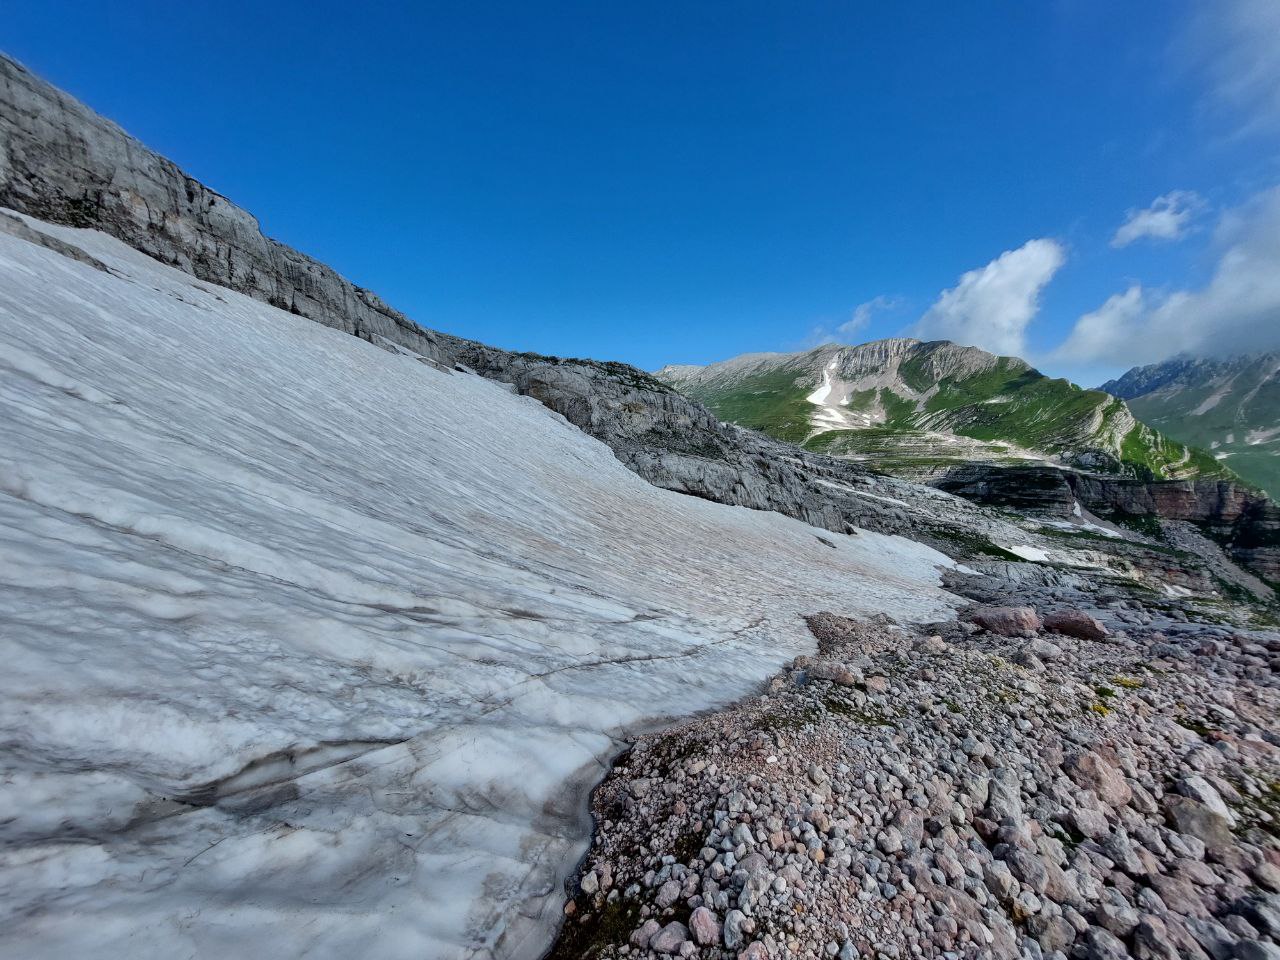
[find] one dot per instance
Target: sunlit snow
(313, 649)
(832, 398)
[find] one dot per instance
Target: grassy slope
(903, 452)
(1050, 415)
(1007, 403)
(768, 402)
(1259, 464)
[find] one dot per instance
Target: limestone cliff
(1242, 519)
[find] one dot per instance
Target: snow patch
(1028, 552)
(831, 399)
(1213, 399)
(339, 637)
(1075, 527)
(846, 488)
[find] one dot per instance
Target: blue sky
(665, 183)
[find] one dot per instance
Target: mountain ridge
(1227, 405)
(926, 405)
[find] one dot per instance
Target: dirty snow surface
(313, 649)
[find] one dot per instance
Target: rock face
(1053, 490)
(1230, 406)
(1255, 541)
(1216, 502)
(61, 162)
(678, 444)
(1044, 489)
(1245, 521)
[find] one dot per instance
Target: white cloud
(818, 336)
(860, 319)
(1237, 311)
(1168, 218)
(1233, 43)
(990, 307)
(1098, 335)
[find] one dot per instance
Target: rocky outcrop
(1255, 542)
(61, 162)
(677, 444)
(1183, 368)
(1213, 502)
(1039, 488)
(1243, 520)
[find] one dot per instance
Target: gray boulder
(1006, 621)
(1076, 623)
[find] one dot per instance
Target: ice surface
(312, 649)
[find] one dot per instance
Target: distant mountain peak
(918, 408)
(1230, 406)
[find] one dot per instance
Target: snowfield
(313, 649)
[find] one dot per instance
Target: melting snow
(836, 485)
(820, 396)
(831, 399)
(1028, 552)
(1077, 526)
(313, 649)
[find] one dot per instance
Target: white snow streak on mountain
(313, 649)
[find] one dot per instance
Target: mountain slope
(918, 408)
(1230, 407)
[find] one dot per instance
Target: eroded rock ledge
(1244, 521)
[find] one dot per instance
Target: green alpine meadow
(916, 409)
